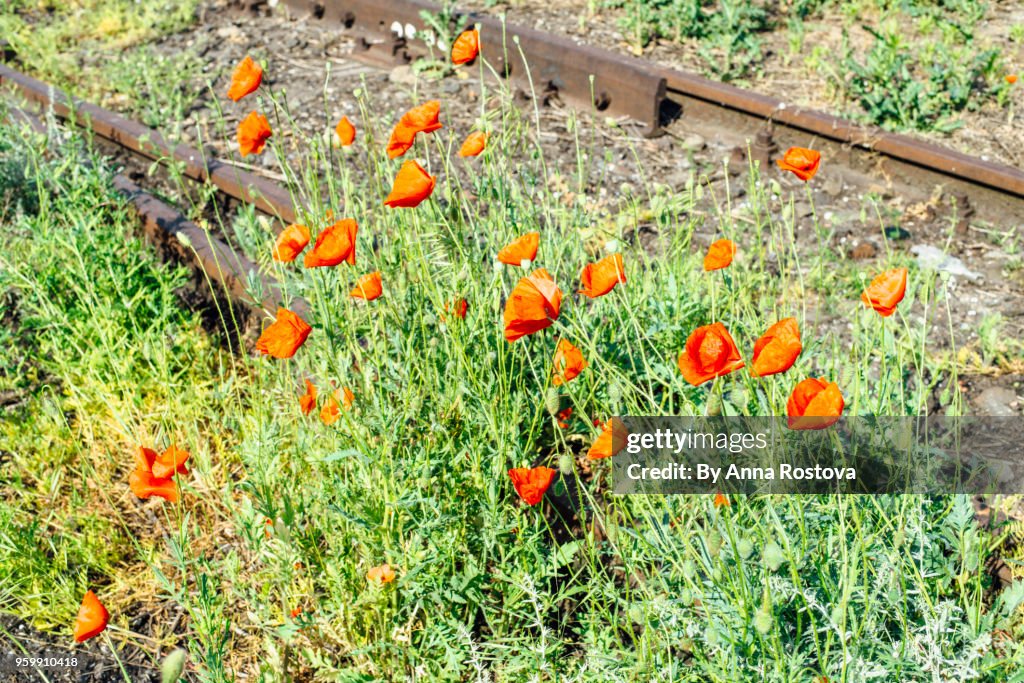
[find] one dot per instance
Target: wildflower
(777, 349)
(345, 132)
(803, 163)
(458, 308)
(92, 618)
(335, 243)
(381, 574)
(421, 119)
(719, 255)
(296, 612)
(568, 362)
(246, 79)
(611, 440)
(1011, 78)
(367, 287)
(283, 337)
(563, 417)
(532, 482)
(710, 352)
(474, 144)
(332, 409)
(721, 500)
(521, 249)
(466, 47)
(533, 305)
(412, 185)
(601, 277)
(290, 243)
(814, 404)
(885, 291)
(145, 484)
(307, 402)
(253, 133)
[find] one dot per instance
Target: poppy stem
(113, 651)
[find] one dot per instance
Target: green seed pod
(173, 666)
(714, 405)
(714, 543)
(552, 401)
(773, 556)
(565, 464)
(744, 548)
(763, 621)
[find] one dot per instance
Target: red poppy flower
(601, 277)
(381, 575)
(284, 336)
(719, 255)
(412, 185)
(612, 439)
(335, 243)
(332, 409)
(290, 243)
(521, 249)
(170, 462)
(474, 144)
(563, 418)
(466, 47)
(92, 618)
(307, 402)
(721, 500)
(345, 131)
(803, 163)
(531, 483)
(367, 287)
(886, 291)
(1011, 78)
(533, 305)
(246, 79)
(144, 484)
(458, 308)
(253, 133)
(296, 612)
(421, 119)
(568, 363)
(814, 404)
(710, 352)
(777, 349)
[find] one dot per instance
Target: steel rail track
(759, 125)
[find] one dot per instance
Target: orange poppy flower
(521, 249)
(253, 133)
(307, 402)
(814, 404)
(92, 618)
(601, 277)
(719, 255)
(144, 484)
(721, 500)
(563, 418)
(334, 244)
(466, 47)
(885, 291)
(568, 363)
(532, 482)
(458, 308)
(332, 409)
(473, 145)
(1011, 78)
(367, 287)
(412, 185)
(381, 575)
(421, 119)
(345, 131)
(533, 305)
(284, 336)
(290, 243)
(296, 612)
(803, 163)
(777, 349)
(710, 352)
(170, 462)
(246, 79)
(611, 440)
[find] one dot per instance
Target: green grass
(103, 355)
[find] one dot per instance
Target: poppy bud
(565, 464)
(173, 666)
(773, 556)
(552, 401)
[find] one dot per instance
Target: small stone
(833, 186)
(997, 402)
(693, 143)
(402, 74)
(863, 250)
